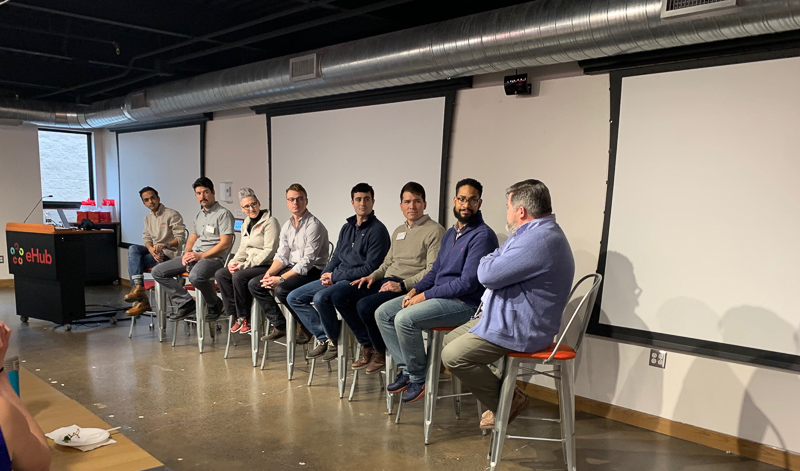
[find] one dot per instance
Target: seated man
(23, 446)
(527, 282)
(206, 249)
(163, 235)
(415, 245)
(362, 245)
(447, 296)
(301, 256)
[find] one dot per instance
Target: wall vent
(139, 100)
(695, 8)
(304, 68)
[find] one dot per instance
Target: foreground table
(52, 410)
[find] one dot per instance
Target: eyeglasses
(250, 206)
(299, 199)
(470, 201)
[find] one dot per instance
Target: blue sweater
(528, 280)
(454, 274)
(359, 250)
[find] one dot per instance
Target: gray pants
(470, 358)
(201, 276)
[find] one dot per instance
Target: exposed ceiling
(82, 51)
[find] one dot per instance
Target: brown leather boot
(139, 308)
(138, 293)
(363, 359)
(376, 363)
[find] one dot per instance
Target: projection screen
(165, 159)
(329, 152)
(702, 235)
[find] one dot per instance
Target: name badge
(401, 236)
(210, 229)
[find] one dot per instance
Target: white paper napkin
(61, 432)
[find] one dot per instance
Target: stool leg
(133, 323)
(355, 375)
(200, 317)
(266, 343)
(456, 384)
(291, 329)
(255, 320)
(391, 372)
(566, 402)
(503, 411)
(228, 343)
(175, 333)
(161, 305)
(399, 410)
(313, 365)
(344, 338)
(435, 338)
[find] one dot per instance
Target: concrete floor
(202, 412)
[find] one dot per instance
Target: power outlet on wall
(2, 259)
(658, 358)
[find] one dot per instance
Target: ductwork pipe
(528, 35)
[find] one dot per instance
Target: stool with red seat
(160, 308)
(562, 357)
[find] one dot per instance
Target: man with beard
(447, 296)
(206, 249)
(527, 282)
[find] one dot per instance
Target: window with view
(66, 167)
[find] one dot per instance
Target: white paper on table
(68, 430)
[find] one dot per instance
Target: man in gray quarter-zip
(163, 236)
(207, 248)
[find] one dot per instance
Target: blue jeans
(320, 319)
(357, 307)
(402, 329)
(139, 260)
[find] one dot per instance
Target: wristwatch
(281, 279)
(403, 285)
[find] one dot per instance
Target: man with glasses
(447, 296)
(302, 254)
(362, 245)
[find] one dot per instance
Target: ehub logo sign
(19, 255)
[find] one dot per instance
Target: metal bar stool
(562, 357)
(160, 308)
(200, 319)
(291, 340)
(343, 348)
(435, 347)
(381, 375)
(256, 317)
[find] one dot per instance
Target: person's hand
(190, 257)
(270, 282)
(416, 299)
(364, 279)
(326, 279)
(158, 248)
(233, 267)
(5, 335)
(408, 296)
(391, 286)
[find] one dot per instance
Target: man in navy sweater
(447, 296)
(527, 282)
(362, 245)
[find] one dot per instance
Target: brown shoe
(303, 335)
(377, 362)
(274, 334)
(139, 308)
(138, 293)
(518, 403)
(363, 359)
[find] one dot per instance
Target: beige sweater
(258, 246)
(413, 251)
(163, 226)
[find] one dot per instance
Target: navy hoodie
(454, 274)
(359, 250)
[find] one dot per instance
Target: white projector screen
(329, 152)
(165, 159)
(702, 236)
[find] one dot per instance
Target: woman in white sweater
(260, 234)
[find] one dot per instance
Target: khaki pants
(470, 358)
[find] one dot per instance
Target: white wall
(20, 181)
(561, 137)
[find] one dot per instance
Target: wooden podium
(49, 268)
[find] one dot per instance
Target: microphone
(34, 207)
